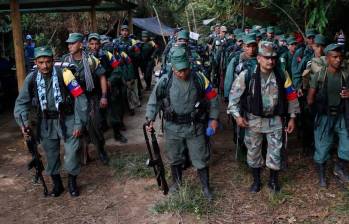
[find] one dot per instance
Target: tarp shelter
(151, 24)
(16, 7)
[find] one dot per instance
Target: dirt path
(106, 199)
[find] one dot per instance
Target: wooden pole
(186, 13)
(162, 32)
(129, 19)
(93, 19)
(192, 10)
(17, 42)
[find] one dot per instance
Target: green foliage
(131, 166)
(189, 199)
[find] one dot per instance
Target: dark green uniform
(94, 122)
(51, 131)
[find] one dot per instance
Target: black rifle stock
(155, 159)
(36, 161)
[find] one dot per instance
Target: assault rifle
(155, 159)
(36, 161)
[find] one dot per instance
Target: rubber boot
(187, 162)
(73, 189)
(273, 181)
(340, 170)
(204, 179)
(118, 136)
(256, 185)
(103, 156)
(176, 171)
(322, 174)
(57, 186)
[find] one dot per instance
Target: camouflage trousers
(253, 142)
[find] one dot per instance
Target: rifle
(155, 160)
(284, 150)
(36, 161)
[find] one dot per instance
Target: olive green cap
(94, 36)
(75, 37)
(278, 31)
(237, 31)
(291, 40)
(263, 30)
(267, 49)
(282, 37)
(332, 47)
(183, 34)
(43, 51)
(320, 39)
(179, 59)
(250, 38)
(310, 33)
(240, 37)
(270, 29)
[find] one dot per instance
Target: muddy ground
(108, 199)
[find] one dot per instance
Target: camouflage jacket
(269, 89)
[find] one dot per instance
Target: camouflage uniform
(272, 126)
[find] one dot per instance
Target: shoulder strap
(32, 84)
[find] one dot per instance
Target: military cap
(282, 37)
(291, 40)
(320, 39)
(104, 39)
(43, 51)
(263, 30)
(240, 37)
(333, 47)
(270, 29)
(267, 49)
(258, 34)
(179, 58)
(145, 33)
(183, 34)
(237, 31)
(124, 27)
(94, 36)
(310, 33)
(224, 28)
(278, 31)
(74, 37)
(250, 38)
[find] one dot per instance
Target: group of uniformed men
(266, 79)
(76, 97)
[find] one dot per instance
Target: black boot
(103, 156)
(322, 174)
(118, 136)
(176, 171)
(73, 189)
(204, 179)
(187, 162)
(273, 181)
(57, 186)
(340, 170)
(256, 185)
